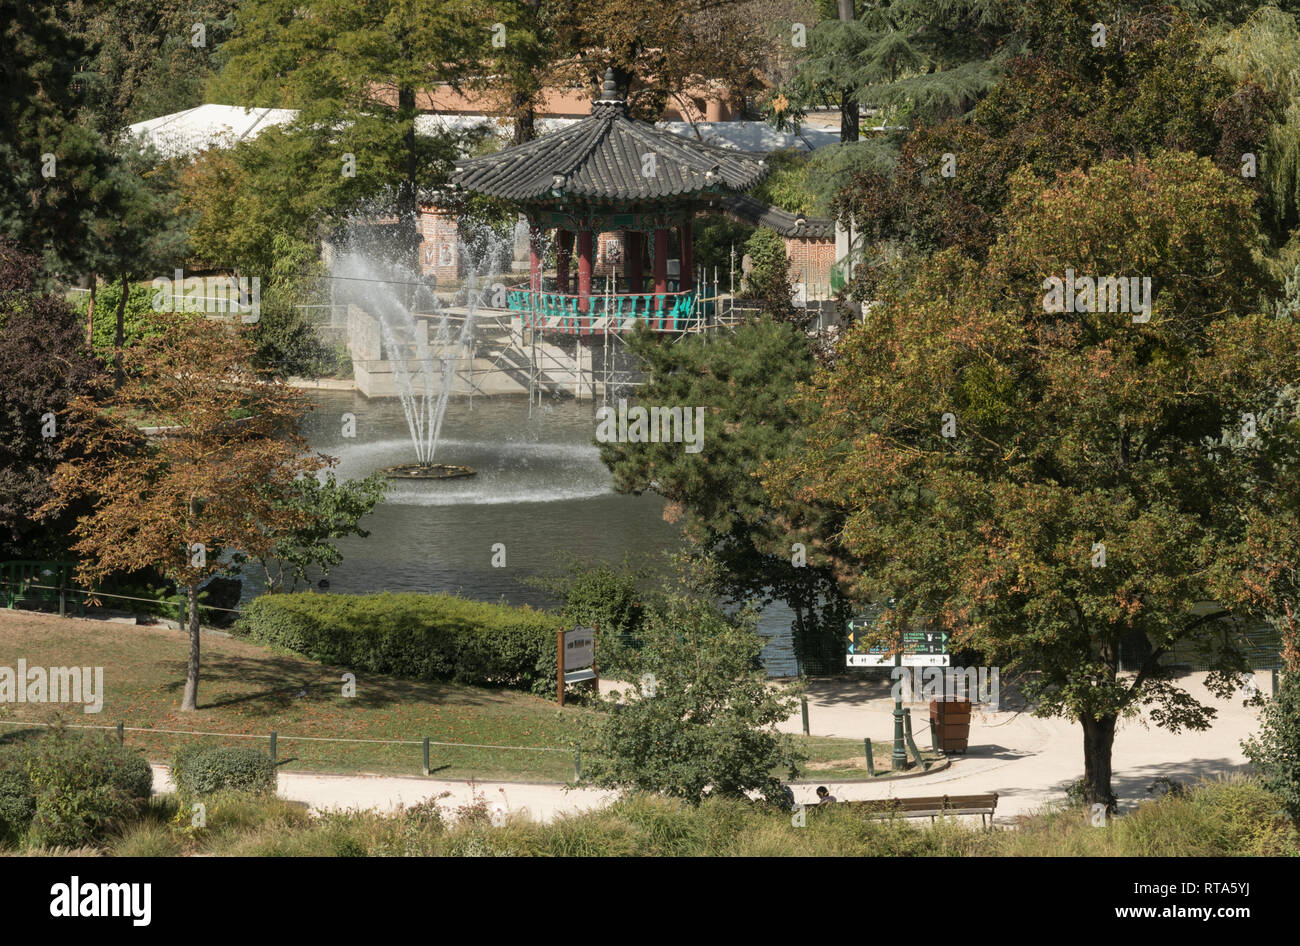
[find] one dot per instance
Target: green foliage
(909, 58)
(744, 380)
(788, 183)
(327, 510)
(1275, 750)
(137, 321)
(82, 787)
(1233, 817)
(17, 799)
(144, 61)
(1072, 429)
(1050, 114)
(833, 167)
(422, 637)
(768, 282)
(705, 724)
(199, 770)
(41, 113)
(715, 237)
(605, 597)
(1264, 50)
(328, 66)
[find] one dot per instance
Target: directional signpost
(920, 648)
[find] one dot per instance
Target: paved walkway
(1027, 761)
(1030, 761)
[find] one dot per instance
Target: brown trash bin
(951, 722)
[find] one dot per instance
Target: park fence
(432, 751)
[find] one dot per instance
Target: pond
(540, 491)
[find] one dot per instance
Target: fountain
(408, 312)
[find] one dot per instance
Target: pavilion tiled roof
(603, 157)
(760, 214)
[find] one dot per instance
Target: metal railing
(662, 311)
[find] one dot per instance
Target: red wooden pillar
(661, 270)
(563, 253)
(584, 271)
(534, 258)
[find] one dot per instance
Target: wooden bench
(931, 806)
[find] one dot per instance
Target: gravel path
(1027, 761)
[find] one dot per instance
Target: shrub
(715, 236)
(788, 184)
(421, 637)
(17, 800)
(201, 770)
(705, 722)
(768, 282)
(136, 323)
(83, 788)
(1275, 749)
(604, 597)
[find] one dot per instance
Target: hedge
(200, 770)
(420, 637)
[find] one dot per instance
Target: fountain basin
(427, 471)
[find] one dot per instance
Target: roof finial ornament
(611, 101)
(609, 88)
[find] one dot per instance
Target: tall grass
(1226, 817)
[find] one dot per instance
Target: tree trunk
(525, 119)
(119, 333)
(408, 198)
(1098, 741)
(848, 101)
(90, 314)
(191, 699)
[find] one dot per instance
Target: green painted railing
(663, 311)
(38, 581)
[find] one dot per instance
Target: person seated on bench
(824, 795)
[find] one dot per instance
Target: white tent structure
(208, 126)
(222, 126)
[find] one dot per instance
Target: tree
(324, 510)
(1264, 50)
(145, 234)
(46, 364)
(928, 59)
(768, 281)
(353, 69)
(1275, 749)
(182, 500)
(743, 380)
(702, 722)
(56, 163)
(146, 58)
(1051, 485)
(1051, 112)
(660, 49)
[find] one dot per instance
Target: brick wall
(810, 259)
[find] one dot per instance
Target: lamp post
(898, 760)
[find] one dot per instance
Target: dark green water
(541, 491)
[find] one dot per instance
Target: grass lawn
(246, 689)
